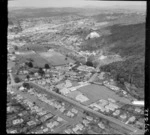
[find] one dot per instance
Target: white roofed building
(93, 34)
(81, 98)
(138, 103)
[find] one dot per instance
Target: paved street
(69, 121)
(129, 128)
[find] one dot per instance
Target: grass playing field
(96, 92)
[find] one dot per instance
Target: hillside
(129, 42)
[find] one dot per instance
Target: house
(36, 74)
(64, 91)
(31, 79)
(113, 105)
(68, 131)
(138, 103)
(74, 110)
(50, 125)
(56, 123)
(75, 129)
(45, 130)
(30, 123)
(117, 112)
(17, 121)
(80, 126)
(47, 116)
(62, 109)
(72, 88)
(123, 116)
(89, 118)
(132, 119)
(101, 125)
(138, 110)
(59, 119)
(81, 98)
(70, 114)
(12, 131)
(47, 75)
(103, 102)
(21, 88)
(111, 100)
(85, 122)
(25, 72)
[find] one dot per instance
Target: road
(51, 109)
(92, 77)
(129, 128)
(12, 79)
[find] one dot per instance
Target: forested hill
(129, 42)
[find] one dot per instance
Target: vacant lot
(96, 92)
(55, 58)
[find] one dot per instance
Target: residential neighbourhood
(57, 82)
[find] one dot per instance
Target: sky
(139, 5)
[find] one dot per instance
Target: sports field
(55, 58)
(96, 92)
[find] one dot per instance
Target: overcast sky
(77, 3)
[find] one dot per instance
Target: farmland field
(95, 92)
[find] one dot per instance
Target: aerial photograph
(76, 67)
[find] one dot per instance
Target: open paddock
(55, 58)
(38, 61)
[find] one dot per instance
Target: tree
(66, 58)
(47, 66)
(30, 64)
(28, 77)
(16, 48)
(26, 85)
(41, 72)
(31, 73)
(17, 79)
(89, 63)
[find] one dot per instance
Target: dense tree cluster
(126, 71)
(129, 43)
